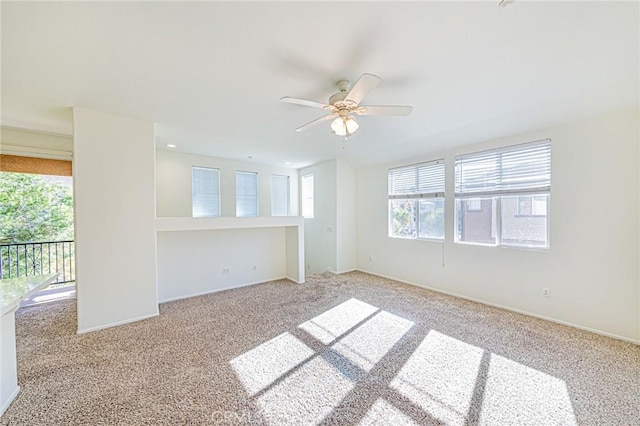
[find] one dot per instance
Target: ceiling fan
(344, 104)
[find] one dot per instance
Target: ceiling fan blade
(363, 86)
(384, 110)
(305, 102)
(316, 122)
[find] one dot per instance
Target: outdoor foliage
(33, 208)
(411, 218)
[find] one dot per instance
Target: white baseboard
(231, 287)
(9, 400)
(519, 311)
(294, 280)
(114, 324)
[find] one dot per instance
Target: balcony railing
(26, 259)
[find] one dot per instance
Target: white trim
(345, 271)
(117, 323)
(294, 280)
(202, 293)
(10, 400)
(519, 311)
(28, 151)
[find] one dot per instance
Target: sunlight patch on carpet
(383, 413)
(517, 394)
(367, 344)
(333, 323)
(440, 377)
(261, 366)
(306, 396)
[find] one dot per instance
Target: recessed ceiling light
(170, 145)
(287, 163)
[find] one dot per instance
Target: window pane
(524, 220)
(403, 218)
(279, 195)
(476, 225)
(474, 204)
(246, 194)
(431, 218)
(307, 196)
(205, 192)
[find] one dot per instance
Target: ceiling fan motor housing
(337, 100)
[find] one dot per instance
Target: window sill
(507, 246)
(435, 240)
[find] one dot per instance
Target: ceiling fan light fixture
(344, 126)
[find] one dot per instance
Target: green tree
(33, 208)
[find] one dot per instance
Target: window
(279, 195)
(416, 201)
(474, 204)
(502, 196)
(307, 196)
(529, 205)
(246, 194)
(205, 192)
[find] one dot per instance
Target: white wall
(114, 163)
(330, 237)
(346, 222)
(320, 232)
(592, 265)
(192, 262)
(173, 183)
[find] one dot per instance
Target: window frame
(416, 196)
(217, 193)
(497, 197)
(244, 172)
(274, 177)
(305, 197)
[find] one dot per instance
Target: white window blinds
(423, 180)
(205, 192)
(279, 195)
(512, 170)
(246, 194)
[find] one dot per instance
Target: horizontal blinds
(279, 195)
(516, 169)
(246, 194)
(205, 191)
(417, 181)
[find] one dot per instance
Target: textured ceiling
(211, 74)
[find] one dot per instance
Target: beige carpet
(349, 349)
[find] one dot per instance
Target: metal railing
(26, 259)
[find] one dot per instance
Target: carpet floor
(347, 349)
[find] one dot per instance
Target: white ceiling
(211, 73)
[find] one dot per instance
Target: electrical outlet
(226, 271)
(254, 267)
(370, 258)
(546, 292)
